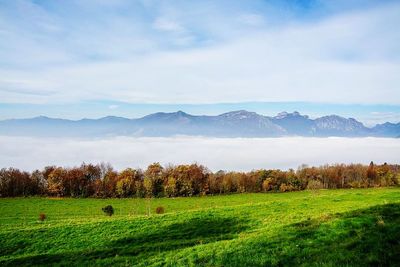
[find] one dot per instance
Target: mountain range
(239, 123)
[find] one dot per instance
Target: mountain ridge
(238, 123)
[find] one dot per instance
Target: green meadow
(352, 227)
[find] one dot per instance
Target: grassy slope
(337, 227)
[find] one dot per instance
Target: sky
(92, 58)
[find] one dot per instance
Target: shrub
(314, 185)
(286, 187)
(160, 210)
(267, 185)
(380, 222)
(356, 184)
(42, 217)
(109, 210)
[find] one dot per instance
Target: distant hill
(239, 123)
(387, 129)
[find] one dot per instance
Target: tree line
(101, 180)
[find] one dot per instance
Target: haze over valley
(239, 154)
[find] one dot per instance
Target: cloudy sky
(90, 58)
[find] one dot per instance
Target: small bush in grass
(380, 222)
(109, 210)
(160, 210)
(42, 217)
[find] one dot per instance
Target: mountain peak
(338, 123)
(181, 113)
(112, 118)
(281, 115)
(41, 117)
(285, 114)
(240, 114)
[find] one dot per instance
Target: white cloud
(113, 106)
(165, 24)
(251, 19)
(376, 117)
(216, 153)
(346, 58)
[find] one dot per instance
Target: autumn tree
(56, 182)
(38, 182)
(187, 180)
(109, 183)
(128, 182)
(153, 180)
(371, 174)
(170, 189)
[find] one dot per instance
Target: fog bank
(241, 154)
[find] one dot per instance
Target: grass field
(330, 228)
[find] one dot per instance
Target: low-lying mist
(240, 154)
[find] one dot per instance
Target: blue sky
(91, 58)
